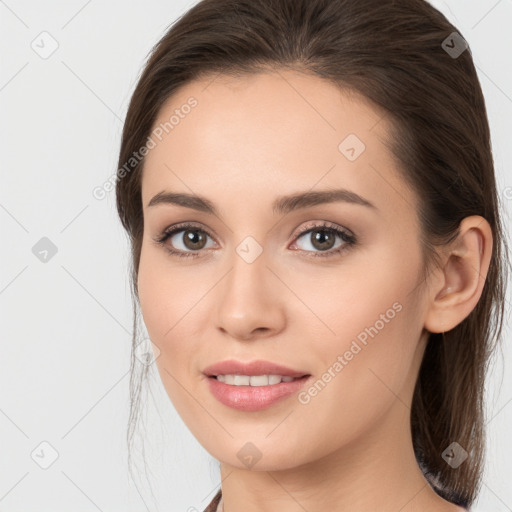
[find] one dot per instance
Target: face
(328, 288)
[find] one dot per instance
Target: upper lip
(259, 367)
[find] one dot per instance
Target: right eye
(191, 238)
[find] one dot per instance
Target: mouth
(253, 386)
(252, 373)
(256, 380)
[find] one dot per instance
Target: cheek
(175, 301)
(164, 307)
(165, 297)
(155, 298)
(363, 375)
(365, 299)
(370, 359)
(374, 343)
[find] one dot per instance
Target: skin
(248, 141)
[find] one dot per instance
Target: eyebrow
(282, 205)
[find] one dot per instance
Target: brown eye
(184, 240)
(193, 239)
(321, 240)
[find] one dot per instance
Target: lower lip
(253, 398)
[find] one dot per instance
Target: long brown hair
(397, 54)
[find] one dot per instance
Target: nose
(250, 301)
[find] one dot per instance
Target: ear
(457, 286)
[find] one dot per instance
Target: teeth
(253, 380)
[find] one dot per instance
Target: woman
(317, 250)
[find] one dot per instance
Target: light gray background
(66, 323)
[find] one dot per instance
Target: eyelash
(347, 237)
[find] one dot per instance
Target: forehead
(268, 134)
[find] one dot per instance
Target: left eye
(322, 240)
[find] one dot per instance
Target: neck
(379, 472)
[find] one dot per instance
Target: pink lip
(252, 398)
(259, 367)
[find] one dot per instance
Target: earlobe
(459, 283)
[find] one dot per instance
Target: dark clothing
(212, 507)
